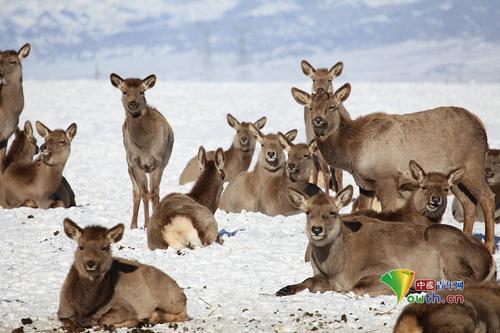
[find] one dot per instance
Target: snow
(230, 288)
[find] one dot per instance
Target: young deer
(492, 171)
(254, 190)
(479, 312)
(187, 220)
(106, 291)
(238, 156)
(11, 100)
(36, 181)
(148, 140)
(358, 146)
(350, 253)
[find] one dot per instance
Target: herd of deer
(408, 163)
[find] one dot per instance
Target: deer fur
(148, 140)
(187, 220)
(11, 100)
(106, 291)
(238, 156)
(255, 191)
(361, 147)
(480, 312)
(350, 253)
(492, 171)
(38, 180)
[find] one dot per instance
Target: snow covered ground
(230, 288)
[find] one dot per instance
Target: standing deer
(148, 140)
(253, 190)
(478, 312)
(238, 156)
(38, 180)
(492, 171)
(350, 253)
(11, 99)
(187, 220)
(106, 291)
(375, 147)
(322, 81)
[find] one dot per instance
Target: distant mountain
(235, 39)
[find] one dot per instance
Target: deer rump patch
(180, 233)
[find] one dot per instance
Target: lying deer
(38, 180)
(11, 99)
(492, 171)
(479, 312)
(254, 191)
(350, 253)
(361, 147)
(106, 291)
(187, 220)
(322, 81)
(238, 156)
(148, 140)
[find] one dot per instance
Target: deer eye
(314, 80)
(329, 81)
(61, 142)
(446, 190)
(424, 188)
(80, 248)
(124, 93)
(307, 213)
(12, 62)
(142, 93)
(333, 214)
(105, 248)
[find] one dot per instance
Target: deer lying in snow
(106, 291)
(38, 180)
(375, 147)
(350, 253)
(492, 171)
(238, 156)
(148, 140)
(11, 99)
(187, 220)
(255, 191)
(478, 312)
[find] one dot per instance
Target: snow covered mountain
(452, 40)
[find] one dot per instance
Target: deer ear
(406, 183)
(297, 199)
(307, 68)
(416, 171)
(71, 229)
(284, 141)
(260, 123)
(28, 129)
(336, 69)
(149, 82)
(313, 146)
(301, 97)
(202, 158)
(343, 92)
(71, 132)
(233, 122)
(24, 51)
(220, 159)
(291, 135)
(43, 130)
(456, 176)
(344, 197)
(116, 81)
(115, 234)
(255, 131)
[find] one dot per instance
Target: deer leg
(3, 148)
(338, 179)
(142, 181)
(136, 198)
(371, 285)
(314, 284)
(468, 207)
(122, 316)
(29, 203)
(325, 170)
(155, 180)
(364, 201)
(387, 193)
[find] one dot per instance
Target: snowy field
(230, 288)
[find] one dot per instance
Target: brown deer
(375, 147)
(148, 140)
(492, 171)
(478, 312)
(322, 81)
(106, 291)
(187, 220)
(350, 253)
(38, 180)
(11, 99)
(238, 156)
(253, 190)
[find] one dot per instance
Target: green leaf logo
(399, 280)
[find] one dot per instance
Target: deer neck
(236, 156)
(334, 252)
(208, 188)
(49, 175)
(264, 175)
(11, 95)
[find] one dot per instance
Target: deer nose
(320, 90)
(90, 264)
(133, 105)
(244, 139)
(43, 147)
(271, 154)
(318, 120)
(291, 166)
(316, 230)
(435, 199)
(487, 170)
